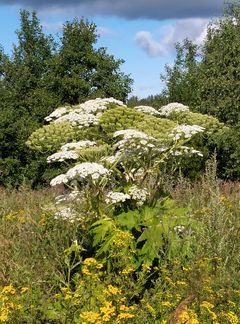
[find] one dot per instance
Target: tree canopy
(42, 74)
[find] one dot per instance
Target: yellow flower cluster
(90, 317)
(19, 216)
(127, 270)
(188, 316)
(122, 239)
(208, 306)
(90, 267)
(233, 318)
(6, 304)
(107, 310)
(111, 290)
(224, 201)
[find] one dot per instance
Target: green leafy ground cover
(122, 237)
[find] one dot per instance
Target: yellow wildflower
(167, 304)
(187, 316)
(125, 308)
(146, 268)
(125, 316)
(111, 290)
(233, 318)
(90, 317)
(24, 289)
(86, 271)
(90, 262)
(181, 283)
(8, 290)
(208, 306)
(127, 270)
(108, 310)
(231, 303)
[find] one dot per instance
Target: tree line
(44, 73)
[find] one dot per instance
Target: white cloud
(52, 27)
(105, 31)
(145, 41)
(194, 29)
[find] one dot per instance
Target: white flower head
(97, 105)
(148, 110)
(116, 197)
(79, 119)
(87, 169)
(186, 131)
(66, 214)
(185, 150)
(140, 195)
(60, 179)
(57, 113)
(77, 145)
(131, 133)
(173, 107)
(62, 156)
(72, 196)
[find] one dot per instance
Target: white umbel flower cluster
(185, 150)
(77, 145)
(83, 115)
(66, 214)
(87, 169)
(60, 179)
(72, 196)
(148, 110)
(57, 113)
(131, 133)
(96, 105)
(81, 171)
(173, 107)
(140, 195)
(62, 156)
(79, 120)
(186, 131)
(116, 197)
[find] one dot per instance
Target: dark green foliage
(182, 78)
(219, 80)
(80, 71)
(123, 118)
(155, 101)
(210, 84)
(40, 76)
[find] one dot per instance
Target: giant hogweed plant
(116, 174)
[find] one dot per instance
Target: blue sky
(141, 32)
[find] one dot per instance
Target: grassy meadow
(51, 271)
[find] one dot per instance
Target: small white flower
(60, 179)
(66, 214)
(140, 195)
(87, 169)
(57, 113)
(186, 131)
(147, 110)
(116, 197)
(72, 196)
(186, 150)
(173, 107)
(77, 145)
(78, 119)
(131, 133)
(62, 156)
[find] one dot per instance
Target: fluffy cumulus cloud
(151, 9)
(194, 29)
